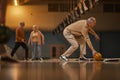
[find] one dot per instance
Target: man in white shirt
(77, 34)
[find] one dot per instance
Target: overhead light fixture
(16, 2)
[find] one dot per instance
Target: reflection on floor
(54, 69)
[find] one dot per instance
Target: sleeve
(76, 33)
(42, 37)
(87, 39)
(90, 30)
(18, 38)
(20, 35)
(29, 41)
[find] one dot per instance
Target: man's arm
(87, 39)
(42, 37)
(29, 40)
(76, 33)
(90, 30)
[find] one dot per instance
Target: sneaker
(63, 58)
(41, 59)
(27, 59)
(83, 58)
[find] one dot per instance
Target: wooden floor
(54, 69)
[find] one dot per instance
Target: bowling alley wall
(48, 19)
(107, 27)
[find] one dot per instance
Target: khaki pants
(75, 43)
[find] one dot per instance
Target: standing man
(77, 34)
(20, 40)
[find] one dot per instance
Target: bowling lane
(59, 70)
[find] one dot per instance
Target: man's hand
(94, 52)
(97, 38)
(42, 42)
(23, 40)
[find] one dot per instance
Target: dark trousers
(17, 45)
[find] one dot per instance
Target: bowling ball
(5, 34)
(97, 56)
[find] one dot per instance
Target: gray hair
(91, 19)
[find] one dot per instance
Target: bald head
(91, 21)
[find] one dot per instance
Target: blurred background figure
(36, 40)
(20, 40)
(5, 34)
